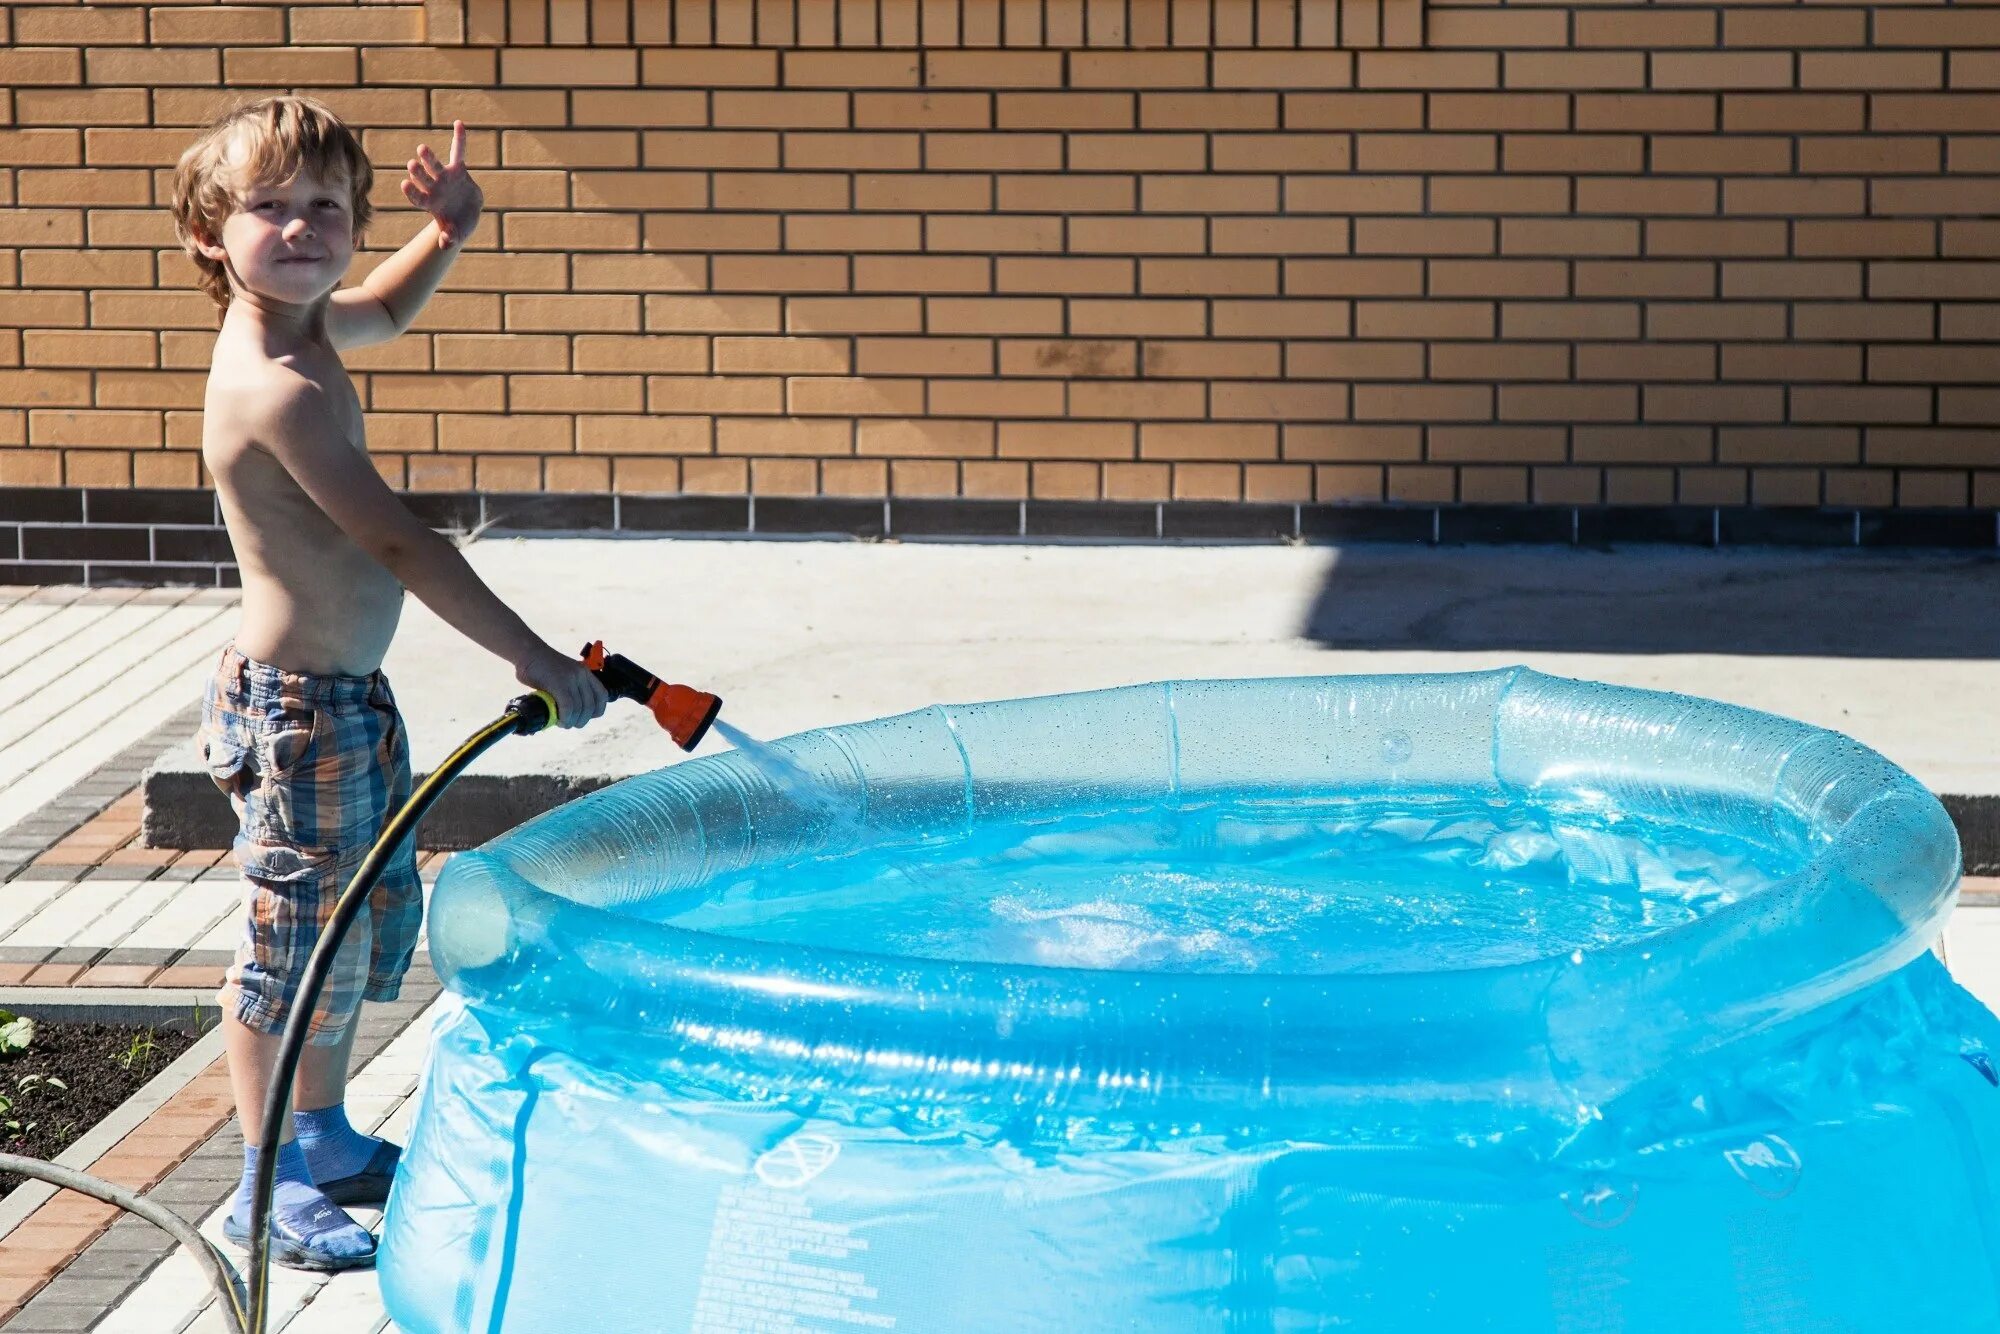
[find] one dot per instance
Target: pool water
(1250, 885)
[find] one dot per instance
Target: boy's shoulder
(251, 387)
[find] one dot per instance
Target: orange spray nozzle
(682, 710)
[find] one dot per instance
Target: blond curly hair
(263, 142)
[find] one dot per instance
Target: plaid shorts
(314, 766)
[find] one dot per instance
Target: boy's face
(288, 243)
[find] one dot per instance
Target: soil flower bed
(69, 1077)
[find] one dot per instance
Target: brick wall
(1287, 251)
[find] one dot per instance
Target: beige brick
(923, 477)
(1423, 236)
(636, 189)
(1722, 155)
(566, 314)
(576, 393)
(708, 68)
(779, 110)
(1139, 152)
(95, 430)
(1289, 237)
(94, 25)
(1138, 69)
(1067, 440)
(1681, 236)
(923, 273)
(1066, 275)
(284, 66)
(89, 349)
(1066, 194)
(1034, 358)
(986, 152)
(849, 234)
(94, 107)
(1638, 362)
(784, 477)
(1138, 481)
(985, 235)
(1209, 111)
(1818, 27)
(1788, 444)
(1277, 482)
(927, 110)
(1722, 69)
(930, 192)
(1209, 194)
(918, 437)
(24, 67)
(701, 394)
(1137, 400)
(736, 150)
(1650, 113)
(1434, 153)
(1639, 194)
(993, 69)
(994, 315)
(53, 148)
(97, 467)
(854, 396)
(1157, 317)
(780, 273)
(650, 434)
(639, 476)
(790, 355)
(1208, 277)
(89, 186)
(1870, 70)
(778, 190)
(1066, 111)
(1065, 481)
(571, 67)
(705, 313)
(715, 477)
(753, 435)
(570, 231)
(996, 399)
(851, 69)
(1192, 440)
(875, 314)
(711, 231)
(838, 150)
(501, 352)
(1301, 401)
(41, 227)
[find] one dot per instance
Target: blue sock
(333, 1148)
(300, 1206)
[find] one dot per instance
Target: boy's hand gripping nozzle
(682, 710)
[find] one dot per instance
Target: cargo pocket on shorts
(225, 759)
(284, 739)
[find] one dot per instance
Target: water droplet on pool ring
(1397, 748)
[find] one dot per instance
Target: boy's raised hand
(445, 190)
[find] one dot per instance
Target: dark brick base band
(60, 535)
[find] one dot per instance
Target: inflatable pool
(1439, 1002)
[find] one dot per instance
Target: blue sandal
(295, 1251)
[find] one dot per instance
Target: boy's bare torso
(313, 600)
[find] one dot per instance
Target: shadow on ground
(1800, 604)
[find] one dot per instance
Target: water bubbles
(1397, 748)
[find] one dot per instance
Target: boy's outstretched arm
(296, 424)
(389, 299)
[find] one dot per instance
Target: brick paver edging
(77, 535)
(75, 1259)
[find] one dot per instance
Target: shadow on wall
(1746, 601)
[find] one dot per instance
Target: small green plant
(10, 1104)
(17, 1032)
(139, 1051)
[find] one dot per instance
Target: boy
(298, 725)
